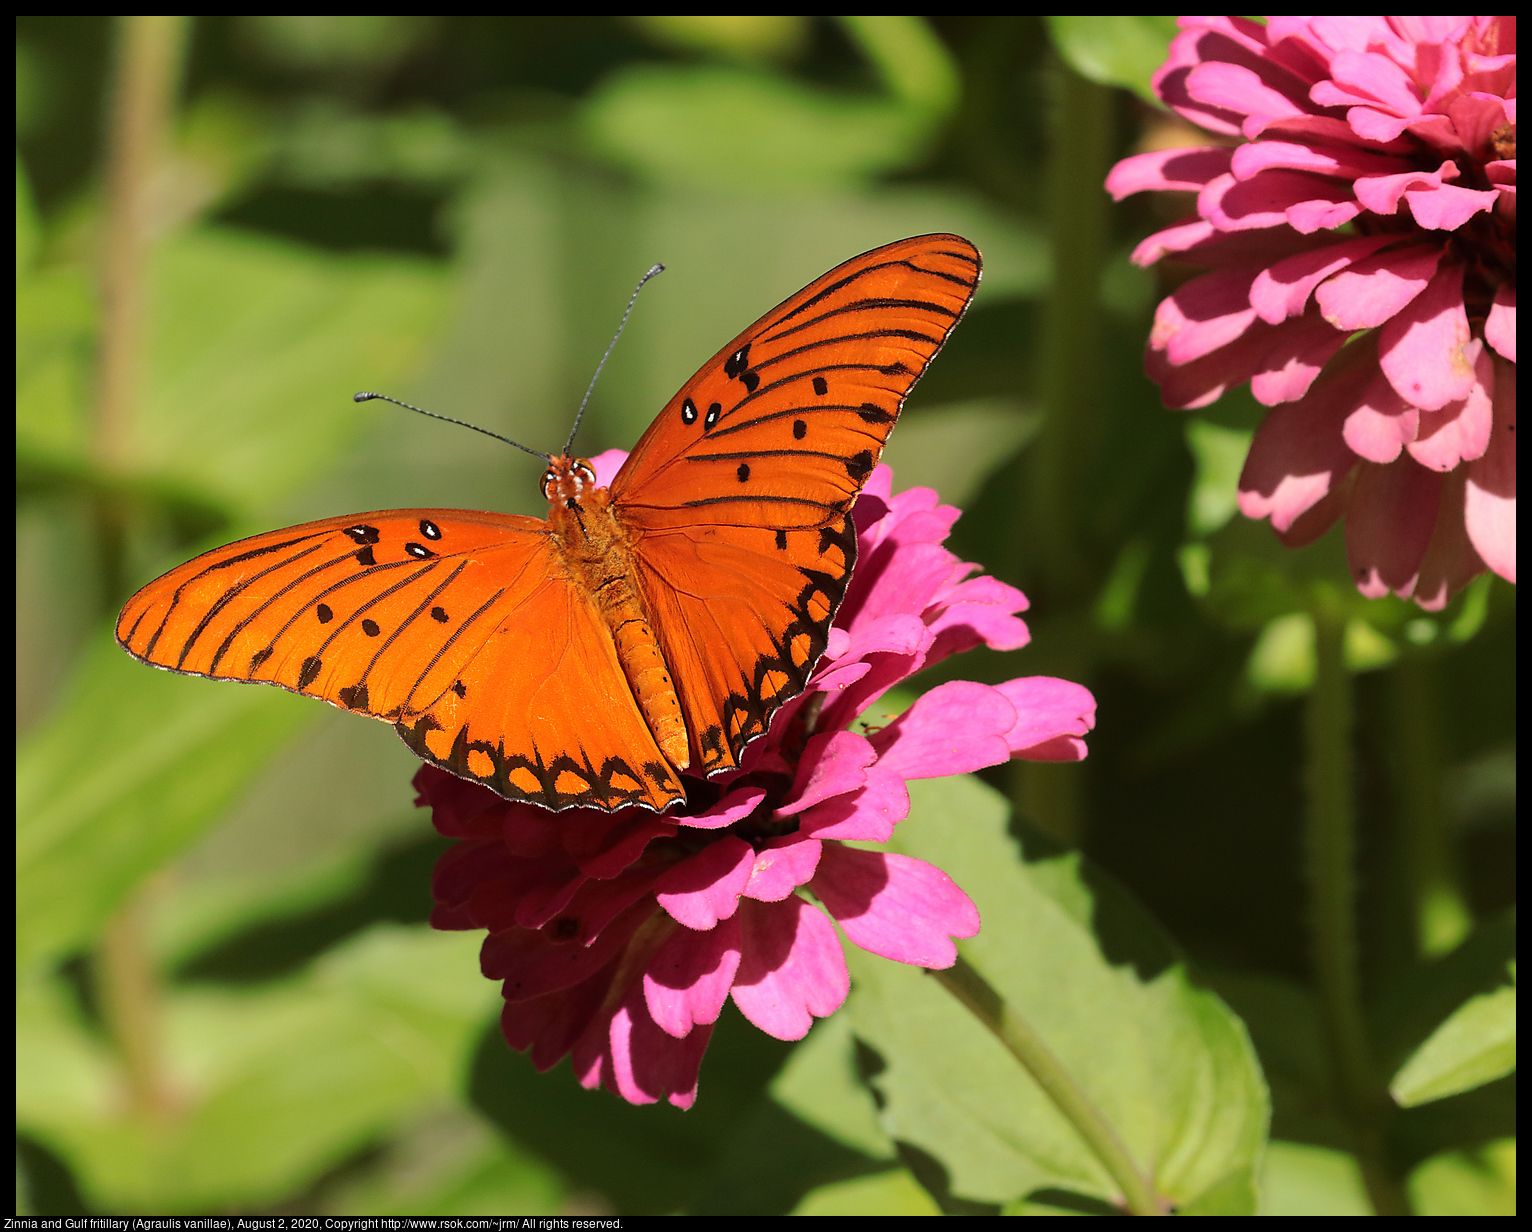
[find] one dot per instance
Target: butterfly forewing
(783, 426)
(738, 495)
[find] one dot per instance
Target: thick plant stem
(1068, 355)
(1441, 914)
(148, 65)
(1050, 1073)
(1330, 852)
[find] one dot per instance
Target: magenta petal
(1460, 431)
(645, 1062)
(1296, 355)
(1389, 520)
(1490, 500)
(1176, 170)
(1381, 423)
(1500, 325)
(1046, 707)
(1298, 456)
(705, 888)
(832, 765)
(1232, 87)
(782, 866)
(1183, 235)
(793, 970)
(1381, 194)
(956, 727)
(607, 464)
(870, 814)
(1447, 208)
(1421, 349)
(895, 905)
(688, 980)
(1450, 562)
(1376, 288)
(1283, 289)
(735, 806)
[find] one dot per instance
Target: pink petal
(531, 964)
(1421, 348)
(1375, 289)
(1167, 170)
(734, 807)
(1183, 235)
(1297, 353)
(688, 980)
(1382, 193)
(1490, 501)
(1046, 708)
(548, 1027)
(956, 727)
(1389, 520)
(793, 970)
(1306, 202)
(1206, 313)
(870, 814)
(1369, 77)
(1346, 161)
(1447, 208)
(1450, 562)
(645, 1062)
(895, 905)
(1460, 431)
(1382, 423)
(782, 866)
(1298, 455)
(607, 464)
(1500, 325)
(1283, 290)
(1232, 87)
(832, 765)
(705, 888)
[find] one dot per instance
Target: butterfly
(641, 630)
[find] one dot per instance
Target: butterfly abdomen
(596, 549)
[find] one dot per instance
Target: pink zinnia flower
(1358, 221)
(619, 935)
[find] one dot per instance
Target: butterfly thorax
(598, 552)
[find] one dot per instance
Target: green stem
(1069, 350)
(1028, 1047)
(1441, 914)
(1330, 851)
(149, 52)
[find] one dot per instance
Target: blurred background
(228, 997)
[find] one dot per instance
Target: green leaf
(130, 768)
(274, 1086)
(1115, 51)
(1166, 1062)
(255, 348)
(1474, 1046)
(1477, 1182)
(1300, 1179)
(891, 1194)
(711, 127)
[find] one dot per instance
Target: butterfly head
(568, 481)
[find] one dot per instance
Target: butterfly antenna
(653, 270)
(368, 397)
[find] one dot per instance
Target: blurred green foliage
(453, 210)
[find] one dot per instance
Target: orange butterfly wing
(463, 629)
(738, 495)
(477, 635)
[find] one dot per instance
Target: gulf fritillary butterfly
(641, 630)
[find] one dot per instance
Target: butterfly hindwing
(406, 616)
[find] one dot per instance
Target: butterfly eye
(548, 478)
(587, 472)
